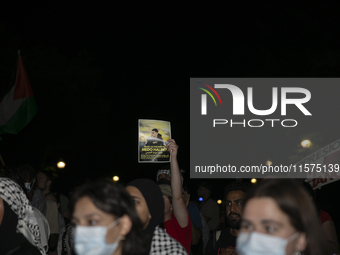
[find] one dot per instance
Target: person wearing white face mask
(106, 221)
(278, 218)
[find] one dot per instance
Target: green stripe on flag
(21, 118)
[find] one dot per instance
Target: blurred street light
(269, 163)
(306, 143)
(253, 180)
(115, 178)
(61, 164)
(219, 201)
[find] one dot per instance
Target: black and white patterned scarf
(168, 172)
(162, 243)
(15, 197)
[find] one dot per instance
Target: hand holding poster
(152, 141)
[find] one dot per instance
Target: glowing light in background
(269, 163)
(61, 164)
(306, 143)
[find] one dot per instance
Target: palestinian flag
(18, 107)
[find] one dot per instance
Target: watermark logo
(281, 101)
(204, 98)
(238, 99)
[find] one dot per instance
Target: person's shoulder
(192, 205)
(51, 204)
(226, 233)
(163, 243)
(51, 196)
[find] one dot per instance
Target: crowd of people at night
(275, 216)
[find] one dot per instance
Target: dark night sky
(140, 78)
(142, 59)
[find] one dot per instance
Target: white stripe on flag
(9, 106)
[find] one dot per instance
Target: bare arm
(178, 203)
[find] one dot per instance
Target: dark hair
(155, 129)
(170, 199)
(28, 171)
(308, 188)
(112, 198)
(15, 174)
(294, 201)
(236, 186)
(310, 191)
(48, 174)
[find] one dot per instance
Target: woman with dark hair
(149, 203)
(279, 218)
(106, 221)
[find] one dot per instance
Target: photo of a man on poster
(155, 139)
(153, 136)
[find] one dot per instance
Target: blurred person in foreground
(106, 221)
(19, 231)
(279, 218)
(18, 176)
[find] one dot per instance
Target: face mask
(28, 186)
(91, 240)
(163, 181)
(255, 243)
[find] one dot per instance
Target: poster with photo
(152, 141)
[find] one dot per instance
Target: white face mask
(91, 240)
(255, 243)
(28, 186)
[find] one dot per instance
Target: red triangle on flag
(22, 85)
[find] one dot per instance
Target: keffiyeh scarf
(168, 172)
(14, 196)
(162, 243)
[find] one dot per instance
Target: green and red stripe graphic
(208, 92)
